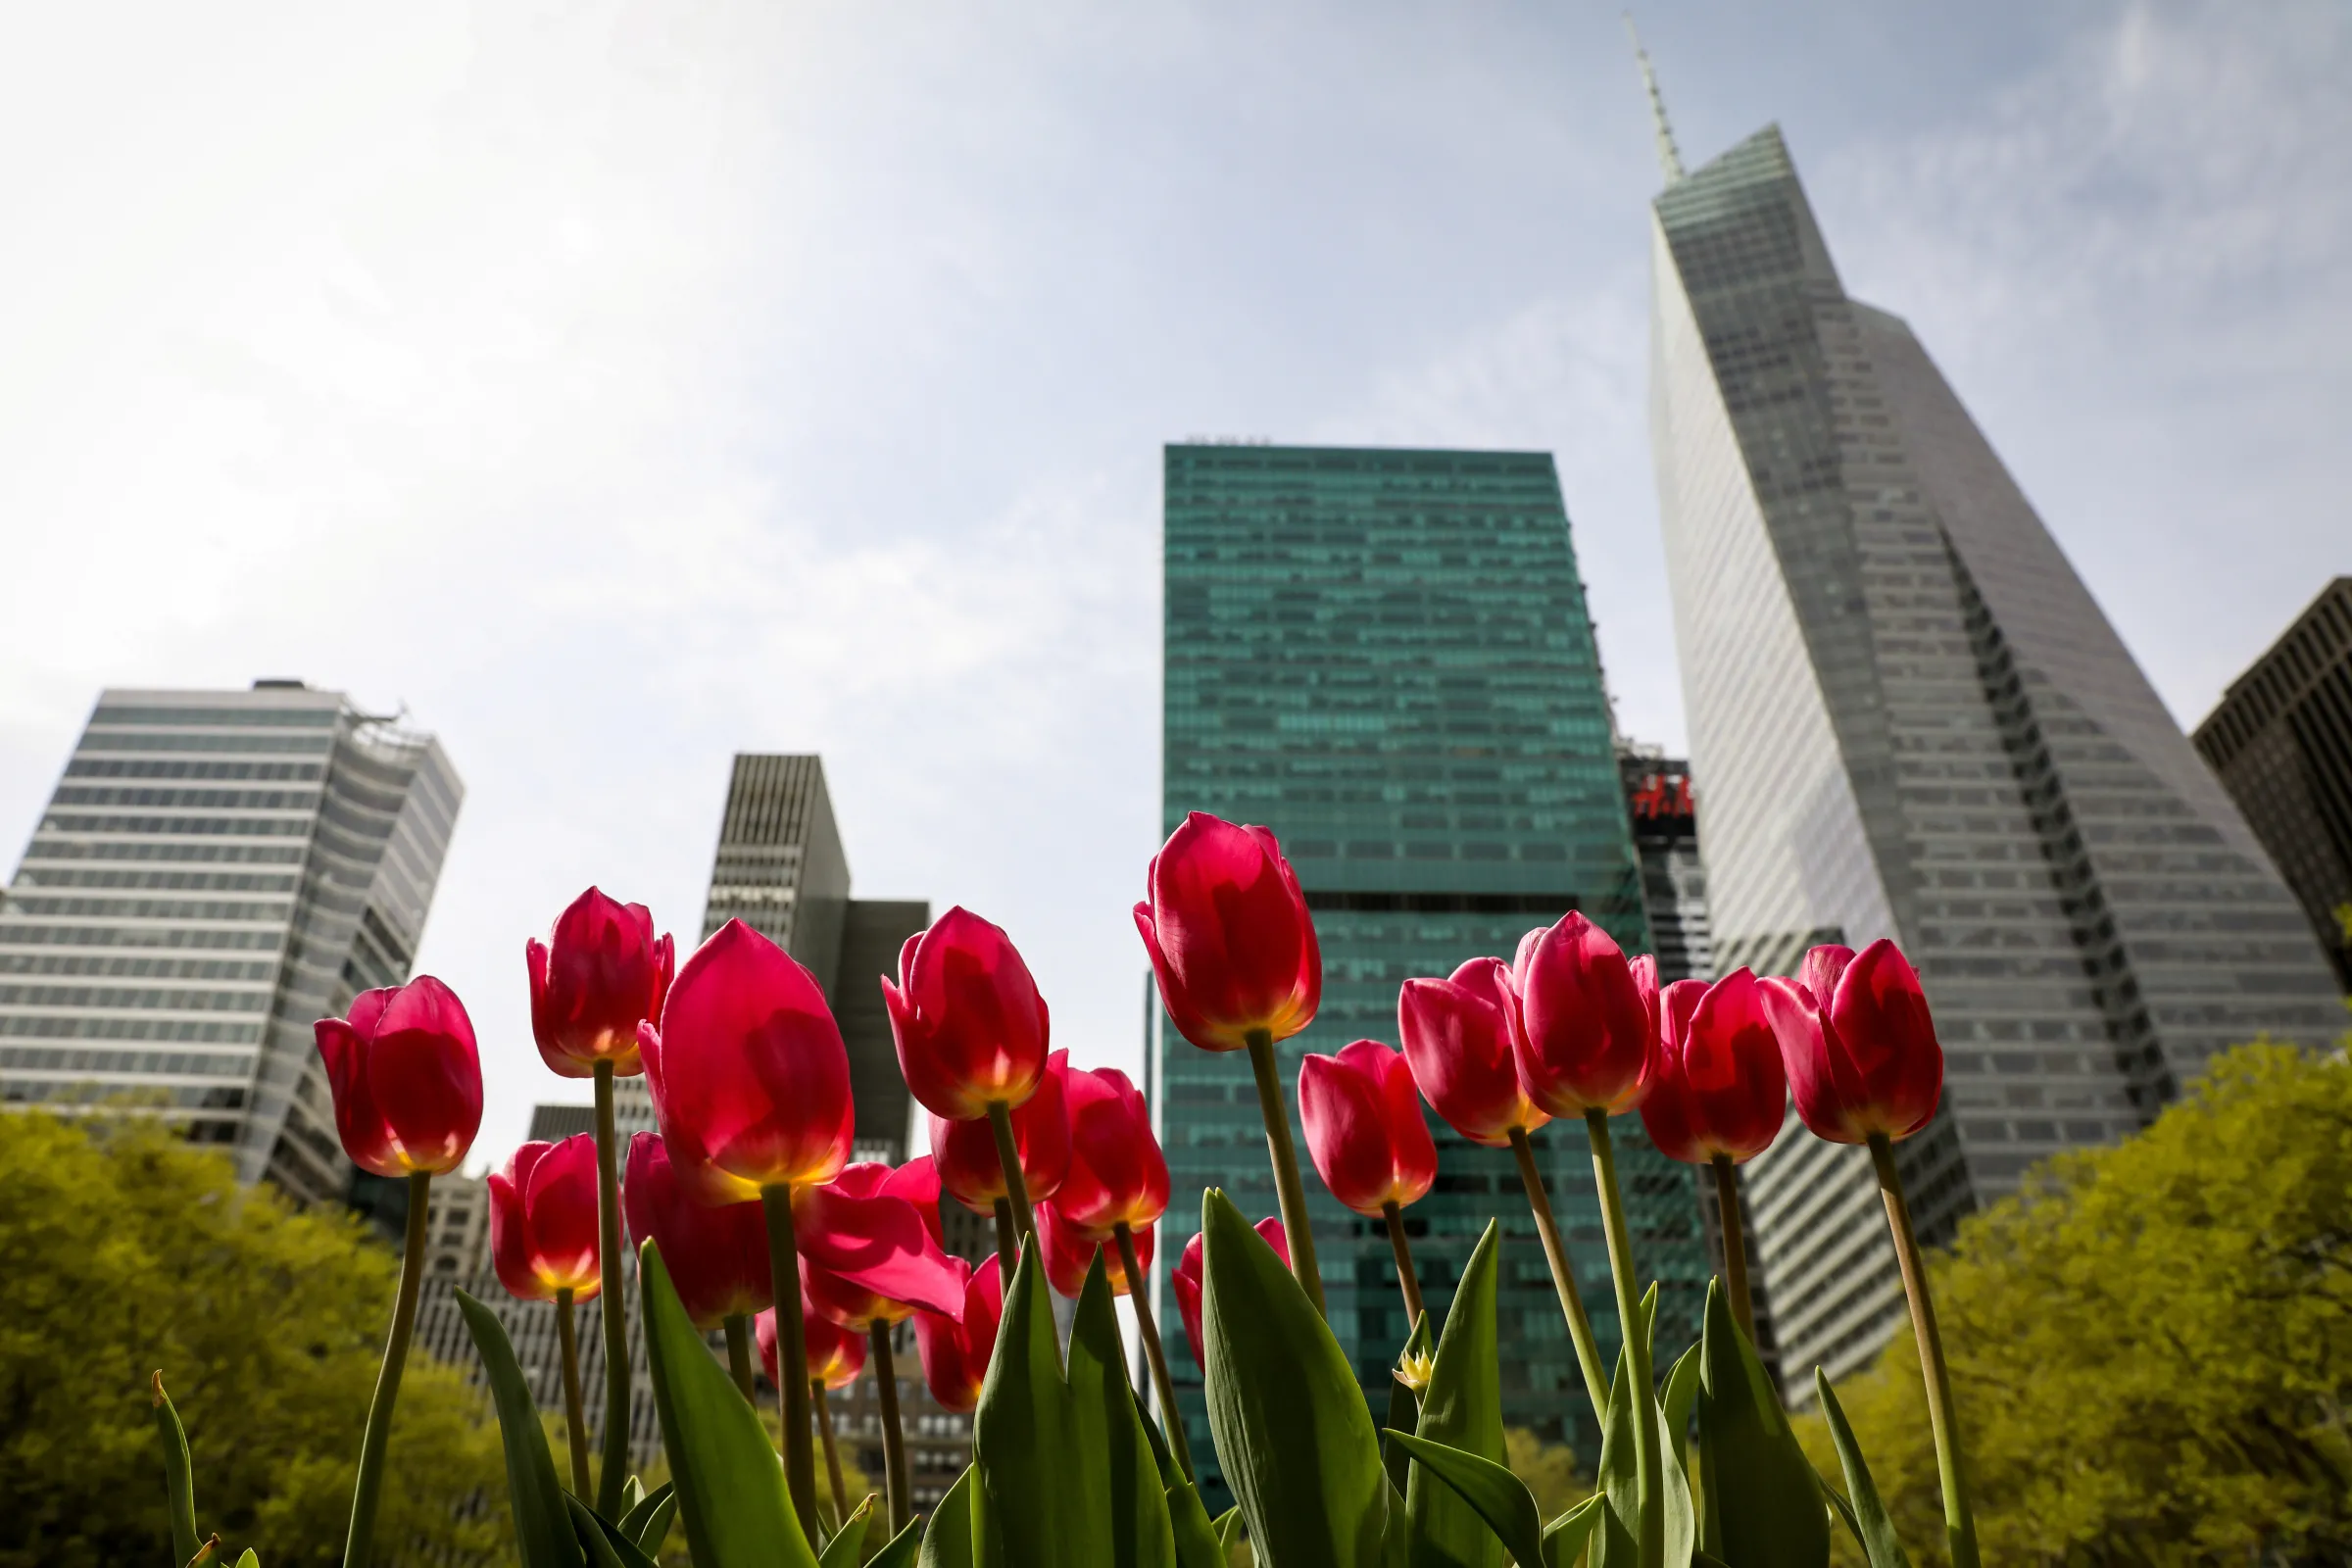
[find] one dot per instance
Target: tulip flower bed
(747, 1214)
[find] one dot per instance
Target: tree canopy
(126, 1251)
(2151, 1344)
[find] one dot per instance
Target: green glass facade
(1385, 656)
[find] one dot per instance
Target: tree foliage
(126, 1251)
(2151, 1344)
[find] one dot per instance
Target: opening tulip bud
(1365, 1127)
(970, 1027)
(1585, 1038)
(1461, 1040)
(407, 1079)
(1861, 1052)
(600, 973)
(1229, 935)
(542, 1220)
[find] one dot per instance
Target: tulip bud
(955, 1354)
(1461, 1039)
(407, 1079)
(1069, 1251)
(1117, 1173)
(867, 1258)
(1862, 1058)
(1185, 1280)
(965, 1152)
(1365, 1127)
(716, 1254)
(836, 1356)
(748, 1070)
(542, 1220)
(970, 1027)
(1229, 935)
(1585, 1038)
(1720, 1087)
(600, 973)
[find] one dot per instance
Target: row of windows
(19, 934)
(46, 848)
(157, 908)
(183, 1029)
(243, 828)
(186, 881)
(188, 800)
(143, 768)
(214, 718)
(176, 1063)
(84, 1091)
(201, 741)
(174, 1000)
(120, 965)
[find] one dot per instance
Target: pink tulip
(407, 1079)
(866, 1257)
(1861, 1052)
(836, 1356)
(955, 1354)
(716, 1254)
(966, 1152)
(1229, 935)
(542, 1220)
(1117, 1174)
(970, 1027)
(1586, 1042)
(1365, 1127)
(600, 974)
(1461, 1039)
(1069, 1252)
(1720, 1088)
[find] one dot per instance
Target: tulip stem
(1407, 1280)
(792, 1352)
(1009, 1238)
(1138, 1295)
(378, 1434)
(738, 1354)
(1735, 1245)
(824, 1430)
(1648, 1477)
(894, 1442)
(1288, 1190)
(1563, 1276)
(575, 1420)
(1008, 1159)
(616, 1464)
(1959, 1519)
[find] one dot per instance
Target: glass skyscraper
(1385, 656)
(1909, 718)
(216, 871)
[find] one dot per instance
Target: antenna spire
(1669, 158)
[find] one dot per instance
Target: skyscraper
(216, 871)
(1385, 656)
(2282, 742)
(1909, 718)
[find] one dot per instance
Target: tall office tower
(1385, 656)
(1909, 719)
(216, 871)
(2282, 742)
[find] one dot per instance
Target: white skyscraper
(1910, 719)
(216, 871)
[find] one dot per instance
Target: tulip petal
(560, 1202)
(877, 1243)
(426, 1076)
(366, 1136)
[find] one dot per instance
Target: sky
(618, 387)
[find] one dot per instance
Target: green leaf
(1498, 1499)
(1763, 1498)
(849, 1542)
(1868, 1516)
(948, 1539)
(1682, 1523)
(1682, 1392)
(1229, 1527)
(180, 1478)
(543, 1533)
(1110, 1431)
(1462, 1408)
(1197, 1541)
(246, 1559)
(647, 1524)
(1615, 1543)
(607, 1545)
(729, 1480)
(632, 1493)
(1565, 1536)
(1293, 1432)
(901, 1549)
(1043, 1475)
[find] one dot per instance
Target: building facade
(216, 871)
(1386, 658)
(1910, 719)
(2282, 742)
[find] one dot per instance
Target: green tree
(2151, 1345)
(1549, 1469)
(127, 1250)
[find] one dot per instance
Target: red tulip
(1117, 1173)
(1229, 935)
(748, 1070)
(716, 1254)
(836, 1356)
(867, 1258)
(1365, 1127)
(970, 1027)
(600, 973)
(1586, 1040)
(406, 1077)
(1719, 1089)
(1185, 1280)
(1461, 1038)
(1861, 1054)
(542, 1220)
(955, 1354)
(966, 1152)
(1069, 1252)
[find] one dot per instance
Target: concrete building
(216, 871)
(2282, 742)
(1386, 658)
(1910, 719)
